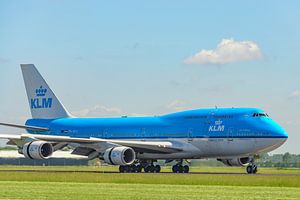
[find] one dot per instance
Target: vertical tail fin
(42, 101)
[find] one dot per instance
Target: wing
(138, 146)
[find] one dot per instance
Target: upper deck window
(260, 115)
(196, 117)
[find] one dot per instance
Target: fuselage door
(190, 134)
(105, 133)
(143, 132)
(230, 132)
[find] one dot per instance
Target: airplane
(233, 136)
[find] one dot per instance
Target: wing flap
(83, 151)
(148, 146)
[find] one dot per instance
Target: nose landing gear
(252, 167)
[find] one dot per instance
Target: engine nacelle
(236, 161)
(37, 150)
(119, 156)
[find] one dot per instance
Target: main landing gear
(148, 167)
(152, 168)
(252, 167)
(179, 168)
(130, 168)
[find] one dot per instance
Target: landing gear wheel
(152, 168)
(180, 169)
(139, 168)
(175, 168)
(251, 169)
(121, 169)
(127, 168)
(254, 169)
(147, 169)
(157, 169)
(186, 169)
(133, 169)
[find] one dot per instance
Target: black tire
(127, 168)
(139, 168)
(157, 169)
(186, 169)
(254, 169)
(133, 169)
(180, 169)
(175, 168)
(121, 169)
(152, 168)
(249, 169)
(147, 169)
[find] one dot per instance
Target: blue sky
(107, 58)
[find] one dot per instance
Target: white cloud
(99, 111)
(295, 94)
(176, 105)
(227, 51)
(104, 111)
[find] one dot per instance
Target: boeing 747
(231, 135)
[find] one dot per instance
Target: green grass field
(284, 184)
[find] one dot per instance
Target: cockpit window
(260, 115)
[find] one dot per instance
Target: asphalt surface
(114, 172)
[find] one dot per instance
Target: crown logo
(40, 92)
(219, 122)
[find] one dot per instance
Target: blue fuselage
(202, 123)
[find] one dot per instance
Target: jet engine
(119, 156)
(236, 161)
(37, 150)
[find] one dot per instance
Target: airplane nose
(284, 134)
(279, 132)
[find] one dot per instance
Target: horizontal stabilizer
(32, 128)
